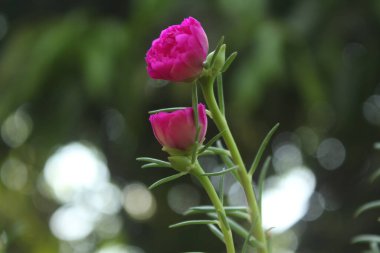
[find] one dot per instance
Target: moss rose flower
(178, 54)
(177, 130)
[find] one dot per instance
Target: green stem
(221, 123)
(224, 227)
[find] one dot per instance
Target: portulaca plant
(180, 55)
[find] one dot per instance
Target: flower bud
(218, 61)
(176, 130)
(178, 54)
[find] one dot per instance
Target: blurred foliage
(370, 239)
(71, 65)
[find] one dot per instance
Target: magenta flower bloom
(176, 130)
(178, 54)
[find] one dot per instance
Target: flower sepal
(177, 152)
(215, 63)
(181, 163)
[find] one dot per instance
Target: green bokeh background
(67, 64)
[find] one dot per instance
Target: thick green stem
(221, 123)
(224, 227)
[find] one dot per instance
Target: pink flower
(176, 130)
(178, 54)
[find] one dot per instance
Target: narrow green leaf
(218, 151)
(195, 105)
(215, 151)
(223, 219)
(194, 252)
(207, 152)
(238, 229)
(171, 109)
(261, 150)
(374, 247)
(167, 179)
(246, 241)
(219, 82)
(155, 165)
(153, 160)
(208, 113)
(193, 222)
(240, 215)
(221, 187)
(241, 231)
(210, 142)
(214, 229)
(228, 62)
(227, 160)
(366, 239)
(211, 209)
(367, 206)
(219, 173)
(220, 43)
(375, 176)
(262, 177)
(270, 245)
(196, 120)
(219, 146)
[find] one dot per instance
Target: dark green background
(69, 62)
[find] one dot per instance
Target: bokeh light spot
(105, 198)
(3, 240)
(114, 123)
(14, 174)
(74, 168)
(287, 156)
(309, 139)
(119, 248)
(316, 207)
(285, 199)
(183, 196)
(236, 196)
(139, 203)
(70, 223)
(16, 128)
(371, 110)
(331, 154)
(109, 226)
(286, 242)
